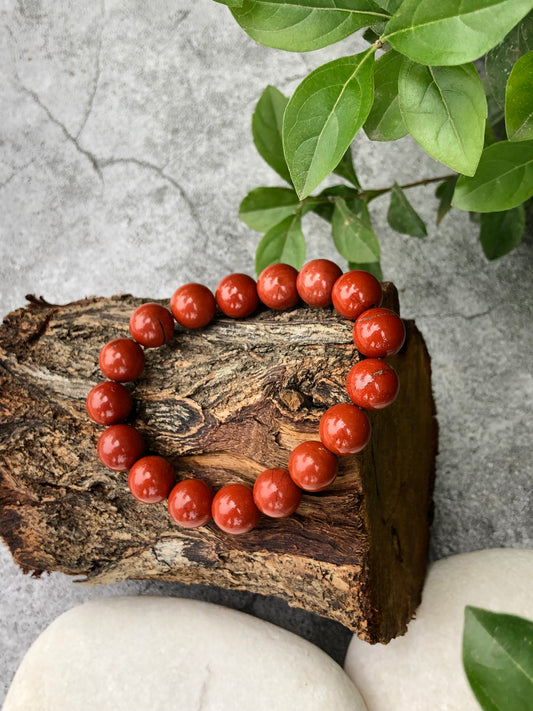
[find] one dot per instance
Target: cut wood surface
(222, 403)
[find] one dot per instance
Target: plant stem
(371, 194)
(425, 181)
(416, 184)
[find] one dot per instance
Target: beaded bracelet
(344, 429)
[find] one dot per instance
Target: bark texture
(222, 403)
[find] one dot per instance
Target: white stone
(164, 654)
(423, 669)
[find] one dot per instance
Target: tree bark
(222, 403)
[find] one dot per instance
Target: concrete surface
(125, 151)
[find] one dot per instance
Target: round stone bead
(312, 466)
(189, 503)
(275, 493)
(234, 510)
(236, 295)
(151, 325)
(150, 479)
(345, 429)
(120, 446)
(372, 384)
(378, 333)
(355, 292)
(315, 282)
(193, 305)
(276, 287)
(109, 403)
(121, 359)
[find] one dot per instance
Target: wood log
(222, 403)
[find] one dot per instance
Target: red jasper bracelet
(344, 429)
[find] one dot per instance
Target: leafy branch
(477, 119)
(278, 211)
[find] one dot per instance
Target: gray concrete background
(125, 151)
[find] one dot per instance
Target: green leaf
(501, 232)
(501, 59)
(304, 25)
(498, 659)
(284, 242)
(519, 100)
(264, 207)
(452, 32)
(353, 235)
(372, 267)
(402, 216)
(445, 109)
(390, 6)
(323, 115)
(346, 170)
(444, 192)
(325, 209)
(231, 3)
(385, 121)
(504, 179)
(267, 122)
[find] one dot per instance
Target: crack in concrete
(469, 317)
(36, 98)
(181, 16)
(66, 132)
(466, 317)
(98, 70)
(106, 162)
(16, 172)
(97, 164)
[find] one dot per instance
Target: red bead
(345, 429)
(151, 479)
(315, 281)
(276, 287)
(108, 403)
(234, 510)
(236, 295)
(378, 333)
(121, 359)
(312, 467)
(355, 292)
(372, 384)
(193, 305)
(275, 493)
(120, 446)
(151, 325)
(189, 503)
